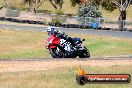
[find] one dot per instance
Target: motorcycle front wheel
(56, 52)
(85, 53)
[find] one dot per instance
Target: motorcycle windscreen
(75, 40)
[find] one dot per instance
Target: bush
(88, 10)
(89, 15)
(12, 13)
(44, 11)
(56, 22)
(59, 12)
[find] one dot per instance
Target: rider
(50, 31)
(57, 33)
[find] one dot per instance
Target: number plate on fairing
(65, 44)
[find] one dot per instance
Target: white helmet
(50, 29)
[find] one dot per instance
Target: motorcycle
(61, 48)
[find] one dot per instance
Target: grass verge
(20, 24)
(31, 44)
(60, 78)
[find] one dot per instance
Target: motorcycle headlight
(50, 41)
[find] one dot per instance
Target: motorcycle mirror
(83, 40)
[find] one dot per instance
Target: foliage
(44, 11)
(34, 4)
(56, 3)
(105, 4)
(75, 2)
(12, 13)
(108, 5)
(88, 10)
(59, 12)
(55, 21)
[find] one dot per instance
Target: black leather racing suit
(62, 35)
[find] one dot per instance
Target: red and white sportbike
(61, 48)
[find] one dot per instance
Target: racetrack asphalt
(119, 34)
(123, 57)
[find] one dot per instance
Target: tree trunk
(121, 20)
(61, 5)
(34, 10)
(53, 4)
(31, 6)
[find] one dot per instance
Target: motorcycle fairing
(53, 41)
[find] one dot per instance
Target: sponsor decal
(83, 78)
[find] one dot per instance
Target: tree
(3, 4)
(88, 10)
(105, 4)
(75, 2)
(56, 3)
(34, 4)
(122, 6)
(88, 13)
(109, 5)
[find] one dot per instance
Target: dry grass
(64, 77)
(106, 46)
(20, 43)
(21, 24)
(19, 40)
(57, 73)
(14, 66)
(31, 44)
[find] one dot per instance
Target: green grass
(40, 53)
(105, 46)
(60, 78)
(31, 44)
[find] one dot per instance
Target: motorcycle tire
(85, 54)
(56, 55)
